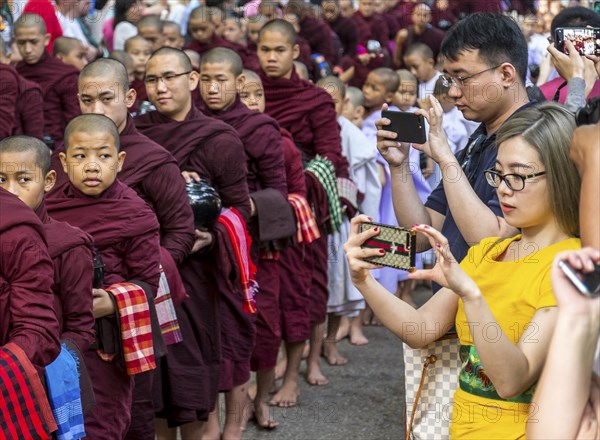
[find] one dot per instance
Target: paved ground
(363, 401)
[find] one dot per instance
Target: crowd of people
(182, 188)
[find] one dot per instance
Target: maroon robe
(450, 14)
(402, 11)
(295, 270)
(27, 315)
(189, 377)
(30, 109)
(431, 36)
(140, 95)
(216, 41)
(71, 251)
(345, 29)
(305, 56)
(371, 28)
(9, 86)
(126, 234)
(262, 141)
(317, 33)
(59, 87)
(308, 113)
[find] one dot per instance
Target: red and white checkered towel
(306, 224)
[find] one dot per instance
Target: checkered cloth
(348, 190)
(136, 329)
(165, 311)
(433, 409)
(324, 171)
(241, 243)
(24, 409)
(307, 230)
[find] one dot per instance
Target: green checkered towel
(324, 171)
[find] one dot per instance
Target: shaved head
(28, 144)
(65, 45)
(173, 25)
(251, 76)
(333, 83)
(106, 68)
(28, 21)
(302, 70)
(179, 54)
(205, 13)
(132, 40)
(91, 124)
(122, 57)
(420, 49)
(355, 95)
(223, 55)
(388, 77)
(194, 58)
(152, 21)
(281, 27)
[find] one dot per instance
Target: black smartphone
(587, 283)
(585, 39)
(409, 127)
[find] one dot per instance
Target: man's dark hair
(497, 37)
(575, 16)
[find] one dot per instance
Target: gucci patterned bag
(431, 377)
(399, 245)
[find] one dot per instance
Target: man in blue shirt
(485, 66)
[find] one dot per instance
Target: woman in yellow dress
(500, 296)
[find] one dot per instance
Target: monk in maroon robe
(208, 149)
(139, 49)
(9, 86)
(70, 248)
(421, 31)
(27, 315)
(308, 113)
(312, 29)
(57, 80)
(344, 28)
(126, 234)
(153, 173)
(220, 75)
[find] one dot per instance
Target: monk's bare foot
(280, 369)
(287, 396)
(315, 377)
(343, 329)
(262, 414)
(332, 354)
(375, 321)
(247, 415)
(357, 337)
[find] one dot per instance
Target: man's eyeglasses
(459, 81)
(166, 79)
(515, 182)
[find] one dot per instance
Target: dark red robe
(59, 87)
(295, 270)
(317, 33)
(346, 31)
(46, 10)
(30, 109)
(308, 113)
(371, 28)
(262, 142)
(402, 11)
(189, 377)
(71, 251)
(9, 94)
(126, 234)
(27, 315)
(431, 36)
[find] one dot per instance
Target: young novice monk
(295, 271)
(405, 97)
(421, 63)
(57, 79)
(140, 50)
(220, 76)
(354, 109)
(70, 51)
(25, 172)
(172, 35)
(126, 234)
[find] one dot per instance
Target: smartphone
(587, 283)
(585, 39)
(398, 243)
(409, 127)
(597, 7)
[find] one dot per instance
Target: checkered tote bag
(431, 377)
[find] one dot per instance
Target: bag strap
(429, 360)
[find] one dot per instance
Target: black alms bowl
(205, 203)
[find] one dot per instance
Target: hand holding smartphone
(585, 39)
(409, 127)
(398, 243)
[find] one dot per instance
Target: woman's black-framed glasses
(515, 182)
(459, 81)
